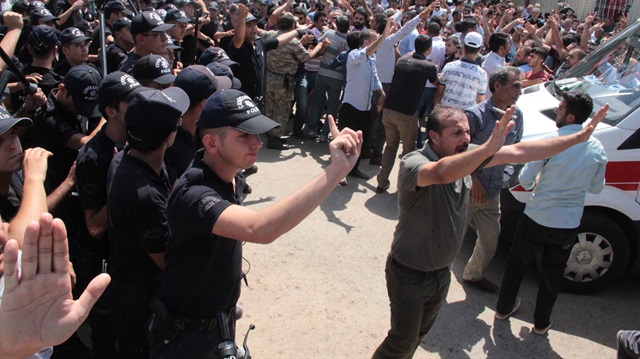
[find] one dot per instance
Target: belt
(435, 272)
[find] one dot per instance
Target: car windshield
(610, 74)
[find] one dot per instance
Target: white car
(609, 233)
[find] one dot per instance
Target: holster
(161, 329)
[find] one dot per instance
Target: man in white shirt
(499, 46)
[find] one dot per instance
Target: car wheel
(599, 256)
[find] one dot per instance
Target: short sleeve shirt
(203, 270)
(464, 81)
(136, 205)
(253, 65)
(92, 167)
(432, 219)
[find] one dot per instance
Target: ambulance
(609, 240)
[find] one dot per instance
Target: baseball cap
(84, 26)
(117, 6)
(82, 82)
(250, 18)
(215, 54)
(20, 6)
(219, 69)
(35, 5)
(148, 21)
(154, 68)
(152, 115)
(42, 14)
(121, 23)
(473, 39)
(42, 38)
(176, 15)
(171, 45)
(118, 86)
(199, 82)
(236, 109)
(72, 35)
(213, 6)
(7, 121)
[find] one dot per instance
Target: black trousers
(349, 116)
(531, 239)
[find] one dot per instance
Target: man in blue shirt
(553, 213)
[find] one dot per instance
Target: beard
(358, 25)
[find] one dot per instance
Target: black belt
(435, 272)
(187, 324)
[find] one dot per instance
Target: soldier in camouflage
(282, 64)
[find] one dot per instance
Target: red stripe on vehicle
(627, 172)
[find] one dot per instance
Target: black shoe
(358, 174)
(247, 189)
(375, 161)
(274, 143)
(381, 189)
(483, 284)
(251, 170)
(283, 140)
(343, 182)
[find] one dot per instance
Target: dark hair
(353, 40)
(458, 26)
(423, 43)
(435, 19)
(579, 104)
(455, 39)
(361, 12)
(471, 50)
(318, 15)
(381, 19)
(342, 24)
(541, 52)
(433, 29)
(113, 104)
(439, 114)
(502, 75)
(41, 54)
(365, 35)
(468, 24)
(498, 39)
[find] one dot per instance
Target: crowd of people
(141, 131)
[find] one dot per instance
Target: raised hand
(37, 308)
(345, 146)
(588, 129)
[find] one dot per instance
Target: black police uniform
(136, 203)
(74, 18)
(180, 155)
(129, 62)
(115, 56)
(203, 272)
(253, 65)
(10, 202)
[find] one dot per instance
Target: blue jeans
(427, 103)
(326, 92)
(416, 298)
(531, 238)
(304, 85)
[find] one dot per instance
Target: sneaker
(323, 139)
(542, 331)
(516, 306)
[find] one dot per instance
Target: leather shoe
(381, 189)
(300, 135)
(276, 144)
(251, 170)
(247, 189)
(358, 174)
(483, 284)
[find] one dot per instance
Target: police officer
(201, 283)
(147, 29)
(199, 83)
(153, 71)
(92, 165)
(138, 186)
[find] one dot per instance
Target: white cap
(473, 39)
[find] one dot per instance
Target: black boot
(274, 143)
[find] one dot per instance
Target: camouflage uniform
(282, 64)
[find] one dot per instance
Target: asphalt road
(319, 291)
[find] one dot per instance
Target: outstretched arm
(266, 225)
(527, 151)
(37, 308)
